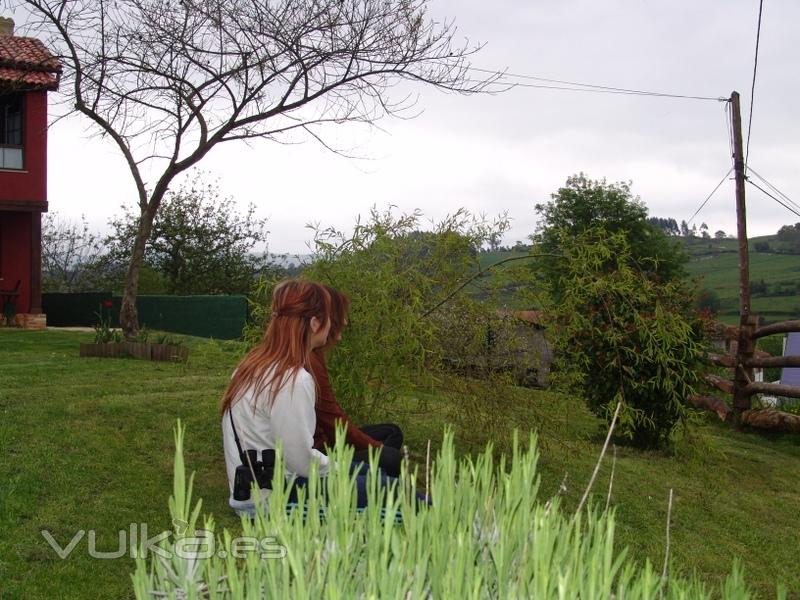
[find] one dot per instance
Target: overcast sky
(507, 152)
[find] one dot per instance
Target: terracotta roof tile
(28, 54)
(28, 79)
(27, 63)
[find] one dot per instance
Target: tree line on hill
(788, 236)
(670, 227)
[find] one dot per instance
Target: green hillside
(775, 276)
(714, 264)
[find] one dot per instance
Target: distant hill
(289, 260)
(714, 264)
(775, 275)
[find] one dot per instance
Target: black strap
(235, 436)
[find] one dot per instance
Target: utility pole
(746, 344)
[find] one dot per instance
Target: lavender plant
(485, 535)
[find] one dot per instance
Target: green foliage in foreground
(486, 535)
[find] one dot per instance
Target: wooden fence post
(743, 373)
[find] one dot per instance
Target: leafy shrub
(762, 247)
(759, 288)
(199, 241)
(394, 272)
(583, 203)
(166, 338)
(103, 332)
(708, 301)
(625, 337)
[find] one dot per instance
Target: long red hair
(340, 307)
(286, 345)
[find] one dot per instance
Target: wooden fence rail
(779, 327)
(743, 388)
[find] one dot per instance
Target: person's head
(300, 321)
(301, 316)
(340, 307)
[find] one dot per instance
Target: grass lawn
(86, 444)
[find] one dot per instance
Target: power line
(775, 189)
(714, 191)
(753, 87)
(584, 87)
(786, 206)
(730, 131)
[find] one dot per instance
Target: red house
(27, 72)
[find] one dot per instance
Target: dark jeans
(360, 469)
(391, 436)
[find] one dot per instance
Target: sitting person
(386, 437)
(271, 398)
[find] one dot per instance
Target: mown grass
(87, 444)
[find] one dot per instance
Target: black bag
(251, 470)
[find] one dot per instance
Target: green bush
(394, 273)
(486, 535)
(707, 301)
(625, 337)
(582, 204)
(762, 247)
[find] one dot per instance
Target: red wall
(15, 255)
(31, 182)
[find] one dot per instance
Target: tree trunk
(128, 315)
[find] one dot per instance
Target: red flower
(108, 304)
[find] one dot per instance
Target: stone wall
(30, 321)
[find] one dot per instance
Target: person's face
(339, 333)
(319, 332)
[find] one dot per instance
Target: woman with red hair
(272, 393)
(387, 438)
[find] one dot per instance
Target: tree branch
(481, 273)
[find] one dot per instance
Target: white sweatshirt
(291, 420)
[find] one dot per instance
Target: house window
(11, 131)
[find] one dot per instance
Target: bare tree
(167, 80)
(70, 251)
